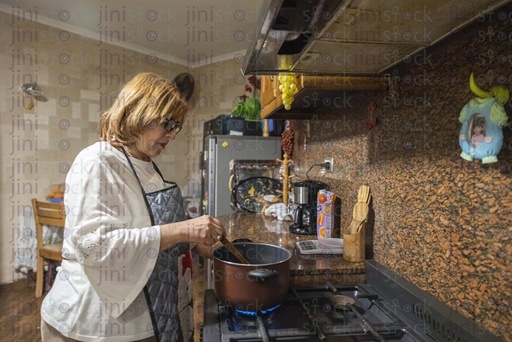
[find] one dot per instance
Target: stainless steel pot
(259, 286)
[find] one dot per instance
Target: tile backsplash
(440, 221)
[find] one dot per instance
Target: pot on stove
(259, 286)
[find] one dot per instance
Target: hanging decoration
(287, 139)
(482, 118)
(287, 146)
(288, 88)
(34, 92)
(374, 120)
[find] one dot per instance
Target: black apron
(164, 206)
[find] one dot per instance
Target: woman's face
(153, 139)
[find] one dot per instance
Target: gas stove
(307, 315)
(385, 308)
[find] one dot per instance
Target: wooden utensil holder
(353, 246)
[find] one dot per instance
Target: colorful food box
(325, 216)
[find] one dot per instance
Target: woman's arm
(108, 228)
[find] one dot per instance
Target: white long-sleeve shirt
(110, 248)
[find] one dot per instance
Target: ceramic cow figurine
(482, 118)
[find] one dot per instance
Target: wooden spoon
(360, 226)
(355, 226)
(360, 211)
(359, 215)
(233, 250)
(352, 227)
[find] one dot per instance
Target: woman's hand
(205, 250)
(202, 230)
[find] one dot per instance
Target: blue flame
(254, 313)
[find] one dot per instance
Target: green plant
(247, 107)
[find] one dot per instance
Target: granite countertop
(265, 229)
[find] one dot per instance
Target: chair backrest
(49, 214)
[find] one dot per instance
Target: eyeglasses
(171, 125)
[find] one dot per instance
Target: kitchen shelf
(314, 92)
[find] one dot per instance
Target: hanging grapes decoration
(287, 86)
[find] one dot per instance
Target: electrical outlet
(331, 164)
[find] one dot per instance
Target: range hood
(353, 37)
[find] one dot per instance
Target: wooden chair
(49, 214)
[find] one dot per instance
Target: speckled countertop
(304, 269)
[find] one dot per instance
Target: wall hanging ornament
(374, 120)
(482, 118)
(34, 92)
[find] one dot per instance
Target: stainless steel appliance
(223, 157)
(223, 153)
(384, 308)
(352, 38)
(301, 200)
(305, 215)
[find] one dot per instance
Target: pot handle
(261, 275)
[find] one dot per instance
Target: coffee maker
(305, 196)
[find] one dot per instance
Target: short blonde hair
(145, 99)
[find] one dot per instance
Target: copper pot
(261, 285)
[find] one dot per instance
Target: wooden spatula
(352, 228)
(233, 250)
(364, 194)
(359, 215)
(360, 211)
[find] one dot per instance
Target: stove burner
(250, 318)
(342, 307)
(254, 313)
(341, 311)
(340, 300)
